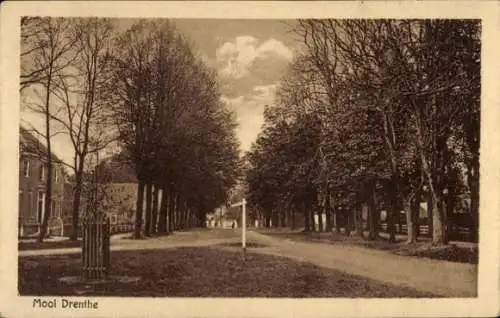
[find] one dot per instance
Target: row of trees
(375, 114)
(171, 121)
(143, 91)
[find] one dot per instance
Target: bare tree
(83, 91)
(53, 53)
(36, 45)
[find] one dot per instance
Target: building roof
(28, 143)
(118, 170)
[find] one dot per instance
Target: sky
(250, 57)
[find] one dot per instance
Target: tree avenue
(171, 122)
(373, 115)
(142, 91)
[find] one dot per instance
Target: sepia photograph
(227, 158)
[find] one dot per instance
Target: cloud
(273, 46)
(250, 70)
(250, 112)
(237, 57)
(265, 90)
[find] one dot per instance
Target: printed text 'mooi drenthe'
(65, 303)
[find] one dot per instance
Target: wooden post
(244, 221)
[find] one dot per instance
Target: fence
(116, 228)
(95, 248)
(456, 232)
(422, 230)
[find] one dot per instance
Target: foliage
(177, 133)
(393, 103)
(143, 91)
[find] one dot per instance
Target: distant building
(121, 199)
(32, 187)
(120, 195)
(223, 217)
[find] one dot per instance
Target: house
(121, 198)
(32, 187)
(119, 204)
(120, 190)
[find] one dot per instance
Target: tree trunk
(391, 213)
(438, 226)
(48, 193)
(438, 237)
(336, 217)
(354, 218)
(75, 212)
(448, 208)
(416, 213)
(180, 211)
(178, 207)
(170, 211)
(154, 212)
(398, 220)
(410, 225)
(430, 212)
(473, 178)
(173, 212)
(328, 211)
(348, 226)
(186, 215)
(48, 201)
(162, 218)
(373, 219)
(138, 209)
(358, 213)
(190, 215)
(147, 225)
(283, 217)
(275, 217)
(310, 215)
(320, 220)
(307, 219)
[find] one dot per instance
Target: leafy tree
(178, 134)
(372, 110)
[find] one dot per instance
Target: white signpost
(243, 221)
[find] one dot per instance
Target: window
(20, 201)
(53, 208)
(40, 206)
(56, 175)
(30, 202)
(26, 167)
(42, 172)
